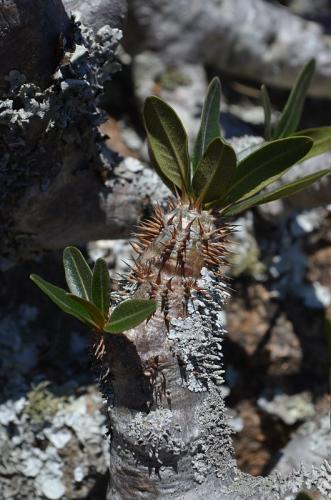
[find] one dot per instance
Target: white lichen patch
(156, 432)
(215, 443)
(198, 337)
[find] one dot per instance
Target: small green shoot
(210, 122)
(89, 296)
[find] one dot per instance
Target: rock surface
(271, 47)
(98, 13)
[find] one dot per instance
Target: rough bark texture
(170, 435)
(163, 381)
(180, 446)
(29, 38)
(59, 183)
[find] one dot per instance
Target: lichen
(198, 337)
(173, 78)
(43, 128)
(42, 404)
(156, 435)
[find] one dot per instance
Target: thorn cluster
(172, 247)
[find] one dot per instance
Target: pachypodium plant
(88, 299)
(162, 378)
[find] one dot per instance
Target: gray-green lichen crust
(50, 134)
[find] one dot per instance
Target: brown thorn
(211, 262)
(149, 232)
(136, 247)
(202, 231)
(171, 220)
(168, 284)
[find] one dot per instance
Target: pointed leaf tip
(322, 140)
(210, 121)
(63, 300)
(276, 194)
(129, 314)
(265, 165)
(292, 111)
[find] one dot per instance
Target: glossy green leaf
(276, 194)
(168, 141)
(292, 112)
(129, 314)
(215, 171)
(173, 188)
(265, 165)
(267, 112)
(101, 287)
(249, 150)
(322, 140)
(210, 121)
(63, 300)
(91, 310)
(78, 273)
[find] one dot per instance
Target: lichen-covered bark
(60, 184)
(160, 421)
(29, 38)
(179, 445)
(163, 380)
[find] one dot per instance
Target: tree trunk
(170, 436)
(29, 39)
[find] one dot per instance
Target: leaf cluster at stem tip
(215, 177)
(88, 298)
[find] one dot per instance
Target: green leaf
(292, 111)
(267, 112)
(129, 314)
(215, 171)
(249, 150)
(78, 273)
(265, 165)
(63, 300)
(303, 495)
(101, 287)
(210, 121)
(322, 140)
(91, 310)
(276, 194)
(173, 188)
(168, 141)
